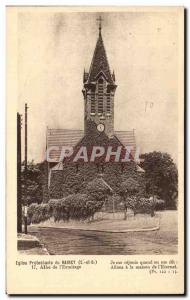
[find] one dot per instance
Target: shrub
(38, 213)
(160, 204)
(129, 187)
(75, 207)
(31, 210)
(130, 191)
(143, 205)
(98, 189)
(59, 209)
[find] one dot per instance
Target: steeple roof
(100, 62)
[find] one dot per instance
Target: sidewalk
(29, 244)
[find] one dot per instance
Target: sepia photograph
(97, 149)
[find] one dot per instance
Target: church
(66, 176)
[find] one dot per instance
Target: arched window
(108, 104)
(100, 95)
(93, 106)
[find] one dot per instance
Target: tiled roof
(127, 138)
(62, 137)
(70, 137)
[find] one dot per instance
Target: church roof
(71, 137)
(99, 63)
(62, 137)
(126, 137)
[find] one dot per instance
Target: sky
(142, 48)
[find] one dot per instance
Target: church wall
(74, 176)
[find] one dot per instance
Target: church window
(100, 95)
(93, 108)
(108, 106)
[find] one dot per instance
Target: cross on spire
(100, 24)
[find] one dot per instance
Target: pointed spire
(113, 76)
(99, 61)
(85, 76)
(100, 24)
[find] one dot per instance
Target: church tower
(98, 90)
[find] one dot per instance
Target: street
(60, 241)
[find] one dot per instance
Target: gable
(74, 137)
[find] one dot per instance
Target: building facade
(99, 88)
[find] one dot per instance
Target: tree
(161, 177)
(98, 189)
(128, 190)
(34, 182)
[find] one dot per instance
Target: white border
(3, 4)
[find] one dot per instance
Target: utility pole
(25, 172)
(113, 203)
(19, 188)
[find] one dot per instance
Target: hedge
(144, 205)
(38, 213)
(74, 207)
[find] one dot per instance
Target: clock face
(100, 127)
